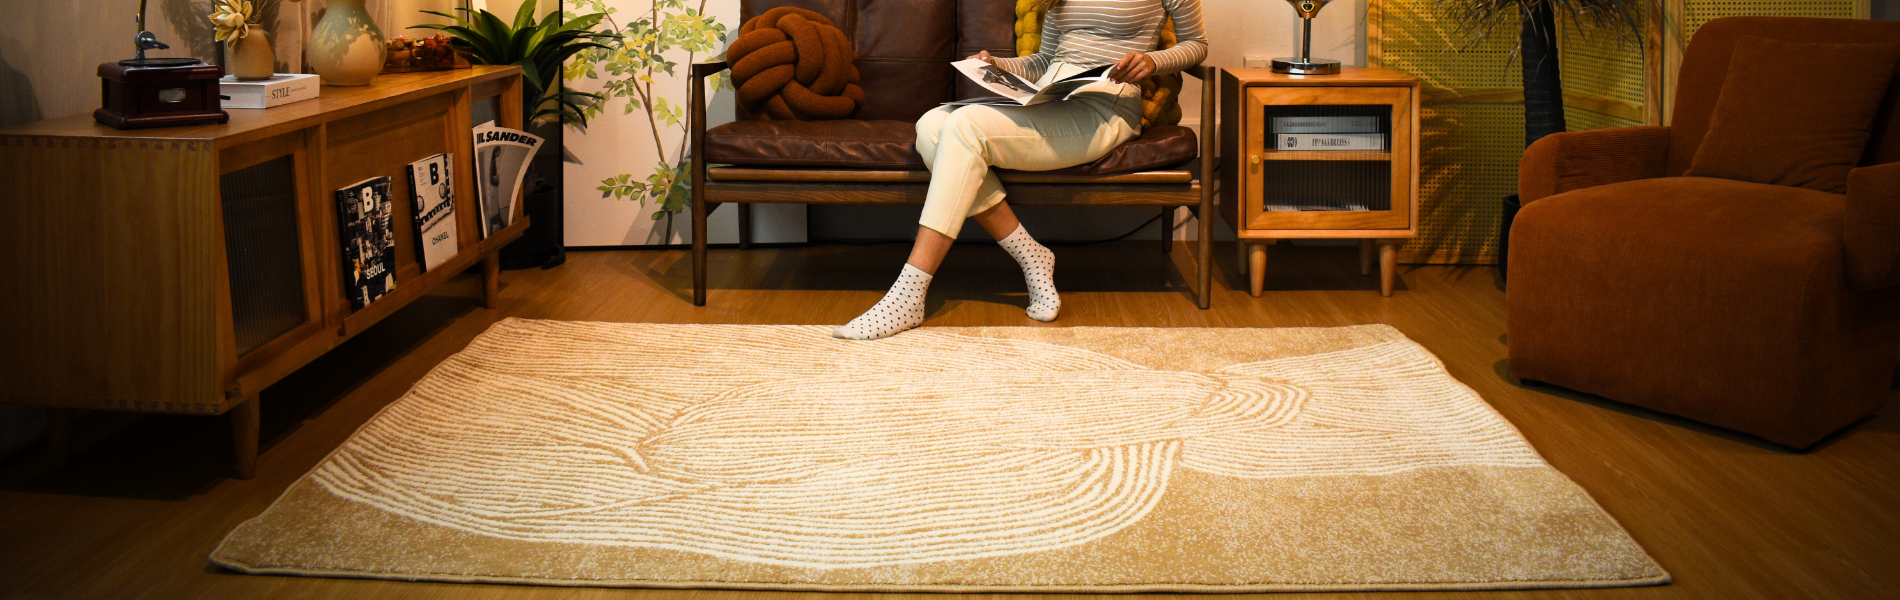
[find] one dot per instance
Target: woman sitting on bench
(961, 143)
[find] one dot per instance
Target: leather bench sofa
(903, 53)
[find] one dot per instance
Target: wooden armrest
(707, 69)
(1203, 72)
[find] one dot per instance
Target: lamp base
(1305, 66)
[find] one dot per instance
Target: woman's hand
(983, 56)
(1134, 67)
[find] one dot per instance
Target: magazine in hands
(1014, 90)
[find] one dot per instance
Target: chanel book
(1330, 141)
(280, 89)
(364, 214)
(432, 195)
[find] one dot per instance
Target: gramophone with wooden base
(158, 92)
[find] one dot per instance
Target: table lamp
(1305, 64)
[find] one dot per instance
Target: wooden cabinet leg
(59, 435)
(1366, 251)
(1388, 266)
(1240, 255)
(244, 418)
(1256, 268)
(491, 280)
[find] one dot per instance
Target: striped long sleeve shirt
(1092, 33)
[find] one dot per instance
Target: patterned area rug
(980, 459)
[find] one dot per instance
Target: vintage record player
(158, 92)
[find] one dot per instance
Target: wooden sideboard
(185, 269)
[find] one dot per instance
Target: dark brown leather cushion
(856, 144)
(903, 50)
(848, 144)
(1795, 114)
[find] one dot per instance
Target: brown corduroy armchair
(1766, 309)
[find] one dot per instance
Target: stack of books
(1359, 134)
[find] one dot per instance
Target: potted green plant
(541, 48)
(1537, 55)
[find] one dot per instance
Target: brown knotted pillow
(1795, 114)
(792, 64)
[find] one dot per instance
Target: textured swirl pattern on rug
(782, 445)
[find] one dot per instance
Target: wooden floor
(147, 497)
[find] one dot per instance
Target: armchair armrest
(1872, 227)
(1580, 159)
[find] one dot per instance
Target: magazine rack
(183, 270)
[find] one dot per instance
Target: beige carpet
(981, 459)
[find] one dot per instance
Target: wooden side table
(1273, 188)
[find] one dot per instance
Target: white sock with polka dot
(1039, 271)
(901, 309)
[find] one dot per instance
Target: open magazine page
(501, 161)
(1015, 90)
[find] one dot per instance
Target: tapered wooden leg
(59, 435)
(745, 227)
(1366, 250)
(1240, 255)
(491, 280)
(244, 436)
(1206, 242)
(1388, 266)
(1167, 229)
(1256, 267)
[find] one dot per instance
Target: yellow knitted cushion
(1160, 94)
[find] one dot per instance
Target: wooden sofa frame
(1190, 184)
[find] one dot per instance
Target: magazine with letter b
(1014, 90)
(364, 214)
(501, 161)
(433, 197)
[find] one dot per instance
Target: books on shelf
(1335, 124)
(280, 89)
(432, 195)
(501, 161)
(1330, 141)
(1341, 205)
(364, 215)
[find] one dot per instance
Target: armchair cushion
(1795, 114)
(853, 144)
(1581, 159)
(1873, 226)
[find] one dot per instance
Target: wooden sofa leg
(745, 227)
(1167, 230)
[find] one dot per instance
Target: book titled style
(432, 197)
(364, 220)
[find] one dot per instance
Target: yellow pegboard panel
(1697, 12)
(1413, 38)
(1579, 120)
(1468, 157)
(1597, 63)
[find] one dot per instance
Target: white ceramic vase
(346, 47)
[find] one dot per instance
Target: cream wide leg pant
(961, 143)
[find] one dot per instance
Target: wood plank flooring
(146, 498)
